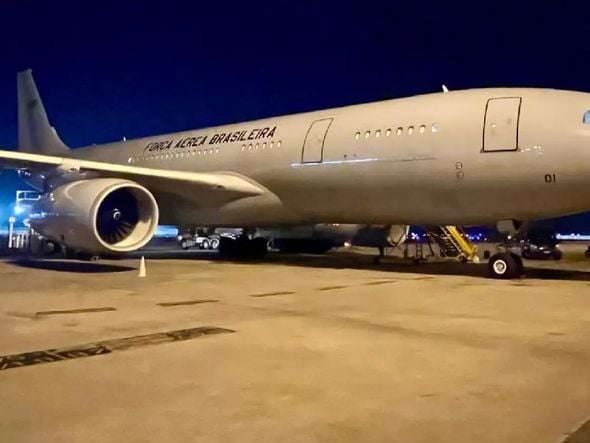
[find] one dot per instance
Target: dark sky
(133, 68)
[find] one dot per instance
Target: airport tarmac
(292, 349)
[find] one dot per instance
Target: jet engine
(97, 215)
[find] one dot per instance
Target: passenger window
(399, 131)
(388, 132)
(434, 127)
(264, 145)
(279, 144)
(587, 118)
(357, 135)
(271, 144)
(422, 129)
(410, 130)
(367, 134)
(378, 133)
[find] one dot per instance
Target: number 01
(550, 178)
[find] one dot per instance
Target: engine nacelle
(97, 215)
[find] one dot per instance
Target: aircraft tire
(49, 248)
(505, 266)
(258, 247)
(227, 247)
(205, 245)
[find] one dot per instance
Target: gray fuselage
(464, 157)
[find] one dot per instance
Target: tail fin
(35, 134)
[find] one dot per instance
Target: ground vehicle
(541, 251)
(541, 245)
(187, 241)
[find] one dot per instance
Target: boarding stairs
(452, 242)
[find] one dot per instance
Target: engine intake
(97, 215)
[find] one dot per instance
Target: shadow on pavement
(441, 268)
(71, 266)
(334, 260)
(346, 260)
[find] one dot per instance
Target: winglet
(445, 89)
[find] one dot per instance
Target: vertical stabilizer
(35, 134)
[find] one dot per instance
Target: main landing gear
(506, 265)
(243, 247)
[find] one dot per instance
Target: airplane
(501, 156)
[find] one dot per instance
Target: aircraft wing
(213, 188)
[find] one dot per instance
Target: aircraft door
(501, 124)
(313, 147)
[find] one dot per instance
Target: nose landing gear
(506, 265)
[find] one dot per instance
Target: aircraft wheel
(258, 247)
(184, 245)
(214, 243)
(227, 246)
(49, 247)
(205, 244)
(505, 266)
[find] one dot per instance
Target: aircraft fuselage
(463, 157)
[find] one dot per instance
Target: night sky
(108, 70)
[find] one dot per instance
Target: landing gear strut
(381, 255)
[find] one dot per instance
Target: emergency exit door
(501, 124)
(313, 146)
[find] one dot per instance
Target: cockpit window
(586, 118)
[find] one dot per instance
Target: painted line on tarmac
(272, 294)
(106, 347)
(379, 282)
(77, 311)
(186, 303)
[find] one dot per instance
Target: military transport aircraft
(452, 158)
